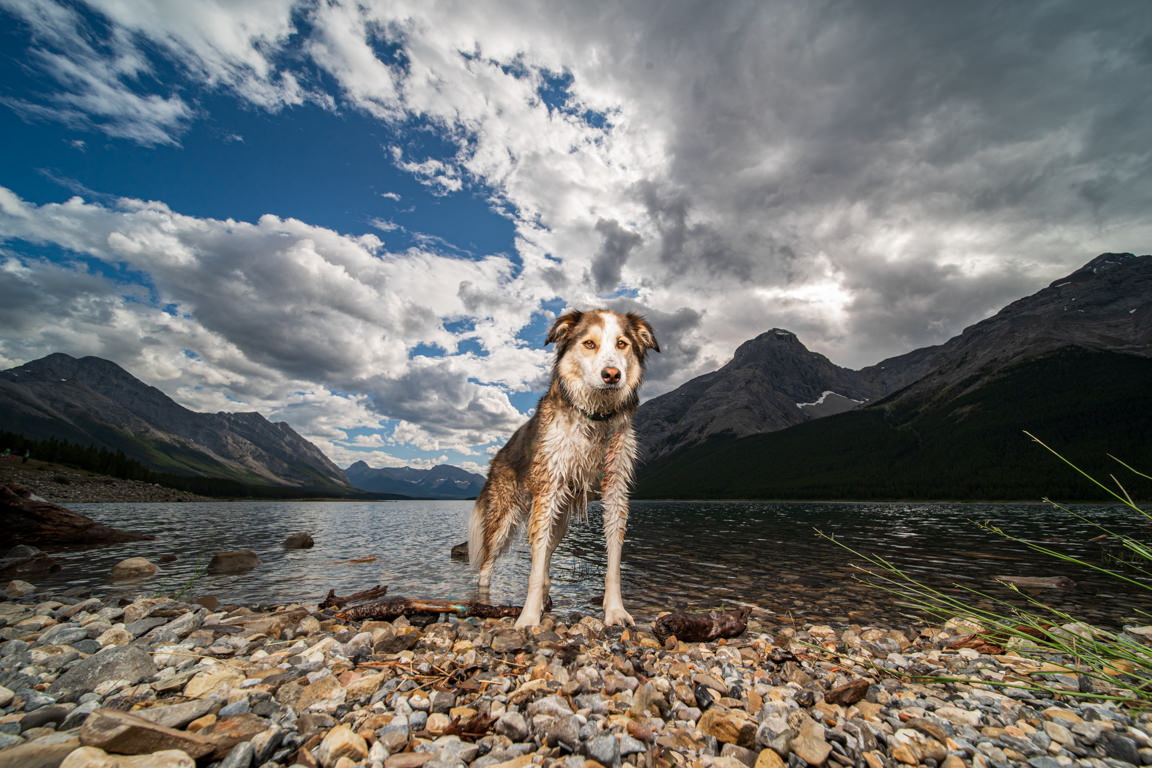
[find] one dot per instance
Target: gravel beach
(160, 682)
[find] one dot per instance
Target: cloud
(268, 308)
(872, 178)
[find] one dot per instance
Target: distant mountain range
(440, 482)
(1071, 363)
(92, 401)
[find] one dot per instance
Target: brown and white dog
(579, 439)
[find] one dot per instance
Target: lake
(677, 555)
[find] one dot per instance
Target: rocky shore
(66, 485)
(160, 682)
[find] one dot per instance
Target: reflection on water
(677, 554)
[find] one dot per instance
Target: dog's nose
(610, 375)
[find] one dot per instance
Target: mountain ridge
(442, 481)
(91, 400)
(1101, 305)
(1045, 363)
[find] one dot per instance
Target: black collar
(594, 416)
(586, 414)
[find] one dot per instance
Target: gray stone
(1119, 747)
(52, 713)
(78, 715)
(512, 725)
(126, 662)
(604, 749)
(265, 743)
(240, 756)
(180, 714)
(241, 707)
(562, 732)
(62, 634)
(630, 745)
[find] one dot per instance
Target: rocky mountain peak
(773, 381)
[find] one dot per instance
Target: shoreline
(67, 485)
(292, 685)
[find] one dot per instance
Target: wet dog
(578, 441)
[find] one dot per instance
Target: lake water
(677, 555)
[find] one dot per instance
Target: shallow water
(677, 555)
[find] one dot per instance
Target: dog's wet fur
(579, 441)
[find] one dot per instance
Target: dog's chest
(574, 451)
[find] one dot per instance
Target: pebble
(87, 683)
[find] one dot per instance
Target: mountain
(772, 382)
(440, 482)
(94, 401)
(1072, 364)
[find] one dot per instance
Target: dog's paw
(527, 620)
(617, 616)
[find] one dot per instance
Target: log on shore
(334, 601)
(701, 627)
(395, 607)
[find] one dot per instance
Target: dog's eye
(589, 344)
(620, 343)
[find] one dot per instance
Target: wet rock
(299, 541)
(23, 560)
(128, 663)
(460, 552)
(233, 562)
(133, 569)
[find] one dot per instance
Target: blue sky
(361, 218)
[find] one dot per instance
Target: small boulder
(233, 562)
(133, 569)
(460, 552)
(299, 541)
(18, 588)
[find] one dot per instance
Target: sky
(362, 217)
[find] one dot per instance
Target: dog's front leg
(617, 475)
(544, 510)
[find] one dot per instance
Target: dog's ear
(562, 328)
(643, 332)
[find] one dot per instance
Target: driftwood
(1038, 582)
(699, 627)
(332, 601)
(396, 607)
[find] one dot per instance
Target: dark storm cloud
(613, 254)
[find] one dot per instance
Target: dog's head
(602, 350)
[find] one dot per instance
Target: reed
(1068, 656)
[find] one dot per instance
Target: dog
(579, 438)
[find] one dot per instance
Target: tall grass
(1102, 663)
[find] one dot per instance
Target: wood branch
(395, 607)
(700, 627)
(332, 601)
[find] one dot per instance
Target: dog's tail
(477, 544)
(496, 519)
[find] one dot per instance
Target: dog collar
(594, 416)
